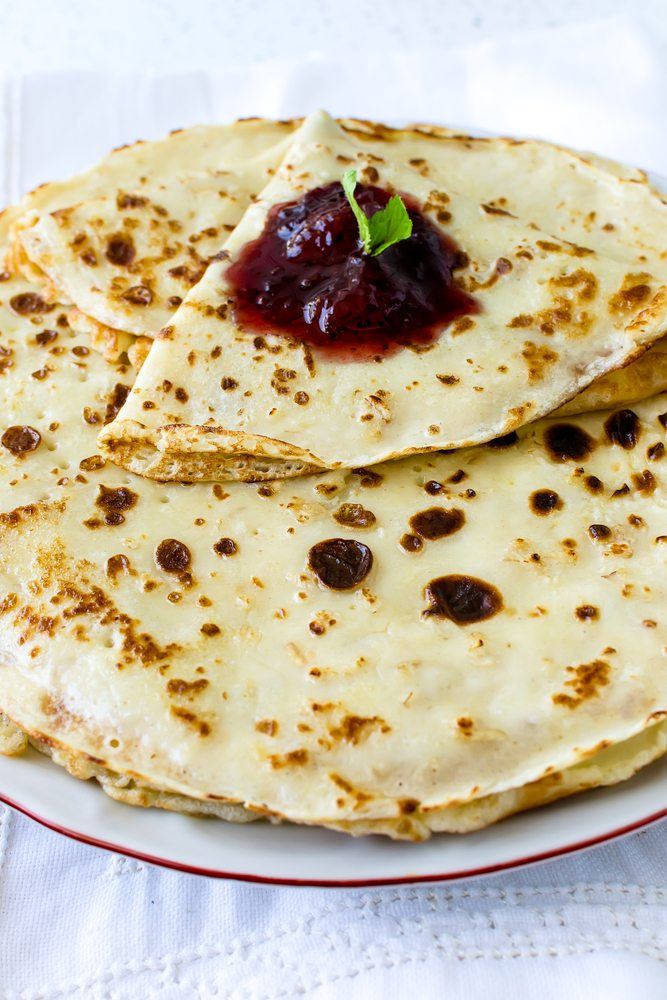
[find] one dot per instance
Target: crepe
(156, 637)
(606, 767)
(56, 394)
(126, 259)
(642, 378)
(127, 262)
(216, 614)
(214, 401)
(187, 168)
(603, 204)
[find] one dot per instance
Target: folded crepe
(605, 205)
(125, 240)
(216, 401)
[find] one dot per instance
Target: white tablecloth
(78, 923)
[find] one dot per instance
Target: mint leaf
(388, 226)
(349, 183)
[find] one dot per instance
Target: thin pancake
(54, 385)
(176, 162)
(211, 613)
(642, 378)
(602, 204)
(85, 534)
(580, 197)
(605, 767)
(214, 402)
(127, 261)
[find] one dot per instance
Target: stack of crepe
(240, 576)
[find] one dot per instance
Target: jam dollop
(307, 276)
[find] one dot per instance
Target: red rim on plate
(521, 862)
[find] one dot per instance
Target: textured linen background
(76, 922)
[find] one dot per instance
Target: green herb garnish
(379, 231)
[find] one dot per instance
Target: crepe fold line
(213, 453)
(639, 379)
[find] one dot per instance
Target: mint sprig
(380, 231)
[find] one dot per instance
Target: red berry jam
(308, 277)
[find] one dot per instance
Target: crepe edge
(598, 769)
(196, 453)
(639, 378)
(180, 452)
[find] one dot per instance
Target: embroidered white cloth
(78, 923)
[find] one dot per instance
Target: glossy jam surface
(308, 277)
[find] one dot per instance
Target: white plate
(259, 852)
